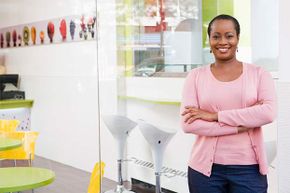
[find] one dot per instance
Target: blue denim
(228, 179)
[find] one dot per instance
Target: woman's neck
(226, 63)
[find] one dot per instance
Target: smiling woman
(232, 118)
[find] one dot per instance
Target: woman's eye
(215, 37)
(230, 36)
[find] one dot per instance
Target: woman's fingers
(185, 112)
(190, 110)
(189, 119)
(258, 103)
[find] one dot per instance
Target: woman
(225, 104)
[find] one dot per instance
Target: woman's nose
(223, 40)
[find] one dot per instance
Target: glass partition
(145, 49)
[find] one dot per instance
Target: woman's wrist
(215, 116)
(242, 129)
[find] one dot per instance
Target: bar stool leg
(158, 183)
(120, 178)
(120, 186)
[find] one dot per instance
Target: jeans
(228, 179)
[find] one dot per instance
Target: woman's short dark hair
(224, 17)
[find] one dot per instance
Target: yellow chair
(96, 176)
(24, 152)
(8, 125)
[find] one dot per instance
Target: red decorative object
(14, 38)
(50, 31)
(19, 40)
(62, 29)
(2, 40)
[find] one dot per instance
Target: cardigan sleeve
(257, 115)
(200, 127)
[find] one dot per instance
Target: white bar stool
(120, 128)
(158, 139)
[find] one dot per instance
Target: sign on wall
(65, 29)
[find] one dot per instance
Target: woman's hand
(242, 129)
(192, 114)
(257, 103)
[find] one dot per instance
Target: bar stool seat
(158, 139)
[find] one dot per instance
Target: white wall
(284, 105)
(265, 33)
(61, 79)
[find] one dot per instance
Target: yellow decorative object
(24, 152)
(8, 125)
(96, 176)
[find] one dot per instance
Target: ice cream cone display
(79, 28)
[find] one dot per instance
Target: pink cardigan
(258, 85)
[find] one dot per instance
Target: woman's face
(223, 40)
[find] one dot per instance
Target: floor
(73, 180)
(68, 179)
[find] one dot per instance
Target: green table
(14, 179)
(9, 104)
(6, 143)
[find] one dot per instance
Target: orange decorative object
(41, 36)
(33, 35)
